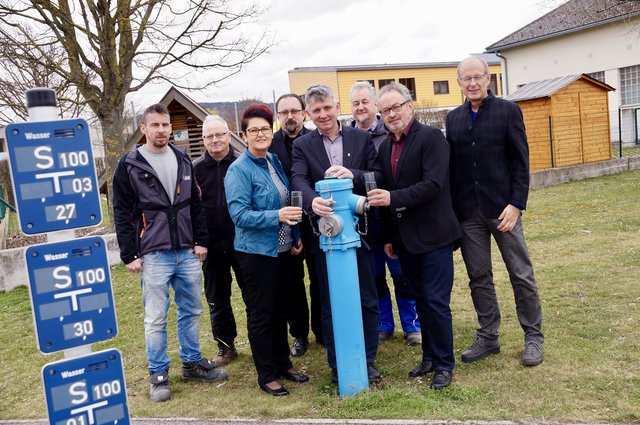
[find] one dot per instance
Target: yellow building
(433, 85)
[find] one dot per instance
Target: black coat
(209, 175)
(421, 215)
(310, 161)
(489, 158)
(284, 152)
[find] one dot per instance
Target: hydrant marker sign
(54, 177)
(71, 293)
(87, 390)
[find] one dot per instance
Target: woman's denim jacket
(253, 201)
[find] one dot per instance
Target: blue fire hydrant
(339, 240)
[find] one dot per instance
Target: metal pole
(635, 124)
(620, 132)
(235, 106)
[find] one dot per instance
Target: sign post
(71, 293)
(86, 390)
(54, 176)
(56, 190)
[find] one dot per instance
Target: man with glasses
(209, 171)
(420, 227)
(346, 153)
(365, 117)
(290, 112)
(490, 175)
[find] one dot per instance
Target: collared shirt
(334, 147)
(397, 146)
(373, 126)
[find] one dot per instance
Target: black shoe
(441, 379)
(372, 373)
(295, 376)
(334, 376)
(159, 390)
(384, 337)
(299, 347)
(203, 371)
(423, 368)
(277, 392)
(480, 349)
(225, 356)
(532, 355)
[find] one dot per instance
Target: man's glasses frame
(219, 136)
(289, 111)
(395, 108)
(477, 78)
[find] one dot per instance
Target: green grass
(584, 239)
(626, 150)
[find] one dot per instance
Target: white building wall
(606, 48)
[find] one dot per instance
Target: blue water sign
(71, 295)
(87, 390)
(54, 176)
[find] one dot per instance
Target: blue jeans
(180, 270)
(404, 299)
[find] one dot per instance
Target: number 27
(66, 211)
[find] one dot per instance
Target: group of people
(232, 211)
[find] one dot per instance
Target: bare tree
(427, 113)
(111, 48)
(22, 68)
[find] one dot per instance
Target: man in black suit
(490, 175)
(421, 225)
(346, 153)
(291, 115)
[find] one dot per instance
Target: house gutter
(506, 74)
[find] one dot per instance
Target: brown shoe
(225, 355)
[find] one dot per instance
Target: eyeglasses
(292, 112)
(264, 130)
(210, 137)
(395, 108)
(476, 78)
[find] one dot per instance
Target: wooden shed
(186, 123)
(566, 119)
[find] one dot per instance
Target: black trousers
(298, 309)
(314, 295)
(267, 288)
(217, 289)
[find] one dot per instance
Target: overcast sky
(360, 32)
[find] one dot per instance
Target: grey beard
(290, 126)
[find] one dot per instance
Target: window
(441, 87)
(630, 85)
(409, 83)
(493, 84)
(597, 75)
(382, 83)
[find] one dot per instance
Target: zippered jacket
(209, 175)
(145, 218)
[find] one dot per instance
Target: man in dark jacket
(209, 171)
(346, 153)
(490, 174)
(291, 114)
(422, 227)
(162, 235)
